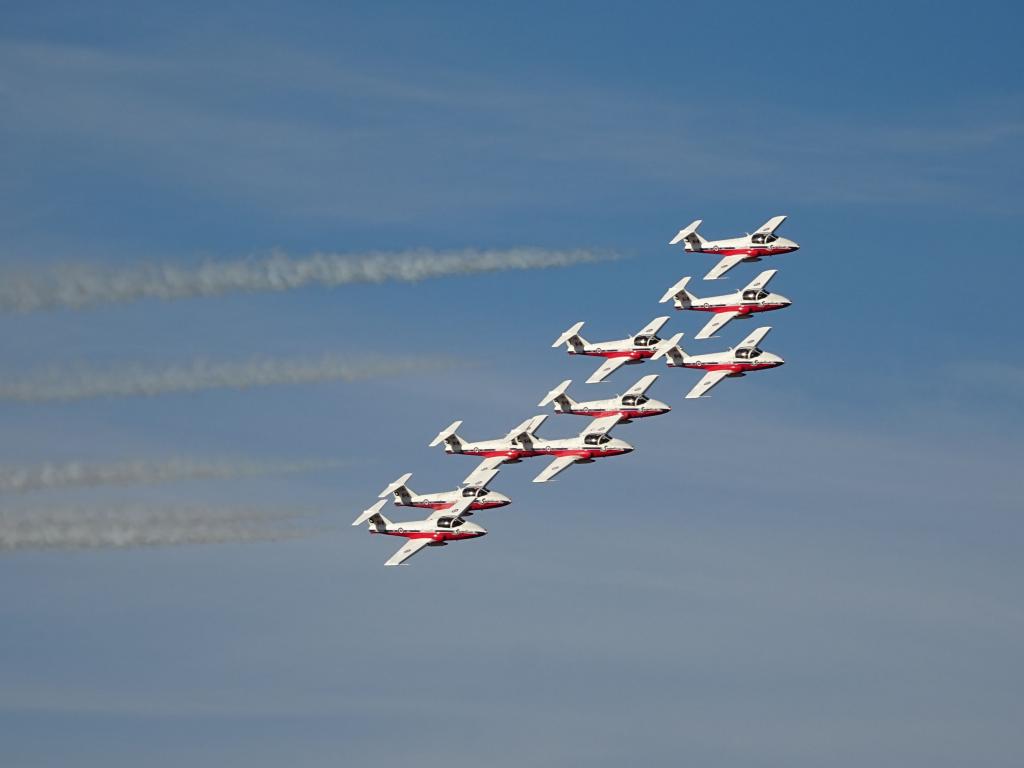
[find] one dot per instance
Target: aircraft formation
(449, 509)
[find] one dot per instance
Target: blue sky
(818, 565)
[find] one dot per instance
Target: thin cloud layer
(138, 381)
(139, 472)
(128, 527)
(81, 286)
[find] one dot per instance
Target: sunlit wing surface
(556, 466)
(602, 425)
(755, 338)
(484, 472)
(761, 280)
(607, 367)
(642, 386)
(652, 328)
(455, 510)
(771, 225)
(714, 324)
(411, 547)
(727, 263)
(703, 386)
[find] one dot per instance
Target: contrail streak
(79, 384)
(80, 286)
(136, 527)
(138, 472)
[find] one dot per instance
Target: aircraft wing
(652, 328)
(702, 387)
(527, 428)
(484, 472)
(715, 323)
(755, 338)
(601, 426)
(410, 548)
(771, 225)
(761, 280)
(610, 365)
(642, 386)
(558, 465)
(727, 263)
(455, 510)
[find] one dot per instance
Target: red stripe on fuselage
(743, 309)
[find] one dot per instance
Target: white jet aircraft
(442, 526)
(764, 242)
(733, 362)
(617, 353)
(634, 404)
(474, 487)
(741, 304)
(521, 443)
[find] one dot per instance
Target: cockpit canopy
(634, 399)
(761, 239)
(645, 341)
(754, 295)
(473, 491)
(596, 439)
(748, 354)
(448, 522)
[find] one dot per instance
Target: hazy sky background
(819, 565)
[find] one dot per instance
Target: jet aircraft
(474, 487)
(592, 443)
(634, 404)
(764, 242)
(741, 304)
(617, 353)
(733, 362)
(442, 526)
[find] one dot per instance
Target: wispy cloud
(123, 527)
(139, 472)
(78, 286)
(79, 384)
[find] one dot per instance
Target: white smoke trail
(78, 286)
(122, 473)
(138, 527)
(79, 384)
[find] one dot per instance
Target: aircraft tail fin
(557, 395)
(448, 436)
(683, 298)
(571, 338)
(670, 348)
(689, 238)
(399, 488)
(373, 516)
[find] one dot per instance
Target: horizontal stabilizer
(685, 232)
(371, 513)
(445, 433)
(666, 345)
(554, 393)
(399, 483)
(527, 428)
(573, 331)
(677, 291)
